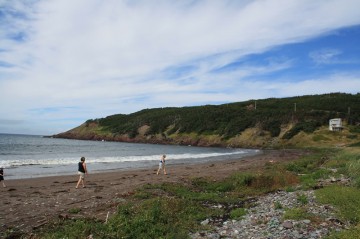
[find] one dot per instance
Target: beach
(28, 204)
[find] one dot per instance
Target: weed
(238, 213)
(278, 205)
(302, 198)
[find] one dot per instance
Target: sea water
(28, 156)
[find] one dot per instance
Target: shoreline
(30, 203)
(96, 165)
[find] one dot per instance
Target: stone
(288, 225)
(205, 222)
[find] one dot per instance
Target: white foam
(71, 160)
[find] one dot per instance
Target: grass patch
(346, 234)
(238, 213)
(278, 205)
(298, 213)
(74, 210)
(318, 138)
(73, 229)
(156, 218)
(302, 198)
(355, 144)
(153, 218)
(271, 179)
(312, 162)
(345, 199)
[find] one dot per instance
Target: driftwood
(79, 201)
(40, 223)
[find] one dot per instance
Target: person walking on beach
(162, 165)
(81, 171)
(2, 177)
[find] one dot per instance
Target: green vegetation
(238, 213)
(302, 120)
(74, 210)
(301, 198)
(278, 205)
(171, 210)
(298, 213)
(353, 232)
(346, 199)
(230, 120)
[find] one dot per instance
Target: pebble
(266, 220)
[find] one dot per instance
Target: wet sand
(27, 204)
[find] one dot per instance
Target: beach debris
(107, 217)
(63, 216)
(79, 201)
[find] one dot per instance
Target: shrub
(307, 127)
(242, 179)
(273, 127)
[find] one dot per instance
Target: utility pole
(295, 107)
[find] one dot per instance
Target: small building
(335, 124)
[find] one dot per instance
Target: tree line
(306, 113)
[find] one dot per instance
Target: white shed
(335, 124)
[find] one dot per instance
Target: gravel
(266, 219)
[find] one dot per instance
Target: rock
(263, 221)
(288, 225)
(205, 222)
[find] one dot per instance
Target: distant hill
(267, 123)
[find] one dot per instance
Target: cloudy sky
(65, 61)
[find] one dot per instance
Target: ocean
(29, 156)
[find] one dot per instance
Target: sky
(63, 62)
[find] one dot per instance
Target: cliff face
(253, 137)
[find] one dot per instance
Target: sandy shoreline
(29, 203)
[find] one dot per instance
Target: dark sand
(27, 204)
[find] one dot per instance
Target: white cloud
(324, 56)
(337, 82)
(90, 58)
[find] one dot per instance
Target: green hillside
(273, 122)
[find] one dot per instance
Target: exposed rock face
(94, 132)
(250, 138)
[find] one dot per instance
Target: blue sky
(64, 62)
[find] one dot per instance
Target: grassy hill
(274, 122)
